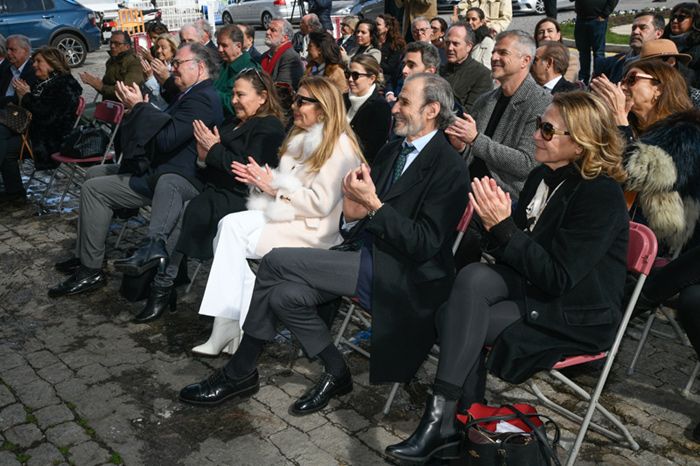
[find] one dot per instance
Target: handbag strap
(541, 437)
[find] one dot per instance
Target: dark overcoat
(412, 257)
(371, 124)
(573, 266)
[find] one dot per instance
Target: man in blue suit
(18, 67)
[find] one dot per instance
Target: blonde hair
(334, 121)
(588, 119)
(171, 40)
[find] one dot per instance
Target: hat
(662, 48)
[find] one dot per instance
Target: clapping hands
(254, 174)
(491, 203)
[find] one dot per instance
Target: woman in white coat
(296, 205)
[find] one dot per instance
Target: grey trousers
(104, 191)
(290, 283)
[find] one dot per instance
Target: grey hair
(524, 42)
(470, 37)
(204, 26)
(288, 29)
(437, 89)
(200, 32)
(22, 40)
(419, 19)
(3, 46)
(204, 55)
(313, 22)
(429, 54)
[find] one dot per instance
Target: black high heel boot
(159, 298)
(147, 256)
(436, 435)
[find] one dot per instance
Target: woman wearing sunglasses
(324, 59)
(684, 29)
(542, 299)
(296, 205)
(368, 113)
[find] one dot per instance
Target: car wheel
(539, 7)
(73, 47)
(226, 18)
(265, 20)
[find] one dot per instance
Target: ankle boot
(436, 436)
(152, 254)
(158, 299)
(225, 335)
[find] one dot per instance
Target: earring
(321, 118)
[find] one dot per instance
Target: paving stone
(55, 373)
(11, 360)
(294, 444)
(18, 377)
(38, 394)
(8, 459)
(52, 415)
(44, 454)
(42, 359)
(23, 435)
(12, 415)
(346, 449)
(66, 434)
(88, 454)
(348, 419)
(378, 438)
(247, 450)
(6, 396)
(279, 402)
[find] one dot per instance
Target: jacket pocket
(582, 316)
(312, 222)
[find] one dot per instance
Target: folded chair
(108, 114)
(640, 259)
(362, 317)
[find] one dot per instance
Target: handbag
(520, 439)
(16, 118)
(85, 141)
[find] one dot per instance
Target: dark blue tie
(401, 161)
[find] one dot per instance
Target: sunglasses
(680, 17)
(245, 71)
(355, 75)
(300, 100)
(632, 78)
(547, 130)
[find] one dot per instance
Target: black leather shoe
(68, 266)
(436, 436)
(318, 396)
(147, 256)
(218, 388)
(696, 433)
(158, 299)
(19, 196)
(82, 280)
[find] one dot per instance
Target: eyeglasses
(680, 17)
(355, 75)
(421, 30)
(632, 78)
(245, 71)
(547, 130)
(300, 100)
(175, 63)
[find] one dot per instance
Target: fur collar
(305, 143)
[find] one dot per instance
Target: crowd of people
(345, 164)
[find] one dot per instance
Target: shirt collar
(422, 141)
(550, 85)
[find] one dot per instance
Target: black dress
(260, 138)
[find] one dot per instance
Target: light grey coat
(510, 153)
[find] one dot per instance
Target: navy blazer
(6, 79)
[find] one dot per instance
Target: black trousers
(9, 168)
(550, 8)
(484, 301)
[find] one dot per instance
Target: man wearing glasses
(123, 65)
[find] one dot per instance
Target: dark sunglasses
(300, 100)
(547, 130)
(355, 75)
(680, 17)
(632, 78)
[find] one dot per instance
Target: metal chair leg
(196, 271)
(390, 399)
(344, 325)
(642, 341)
(691, 380)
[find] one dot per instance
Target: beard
(404, 127)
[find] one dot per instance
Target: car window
(21, 6)
(48, 5)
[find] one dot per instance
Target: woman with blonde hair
(542, 299)
(297, 205)
(157, 69)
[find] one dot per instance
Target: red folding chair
(362, 317)
(108, 114)
(640, 259)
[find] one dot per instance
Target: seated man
(168, 179)
(233, 61)
(122, 65)
(281, 61)
(206, 33)
(419, 57)
(18, 67)
(550, 65)
(398, 226)
(300, 40)
(249, 42)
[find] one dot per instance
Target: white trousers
(230, 284)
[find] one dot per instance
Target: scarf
(269, 62)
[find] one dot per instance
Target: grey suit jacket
(510, 153)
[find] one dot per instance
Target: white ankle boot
(225, 336)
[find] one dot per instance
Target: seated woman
(156, 72)
(392, 46)
(368, 113)
(549, 29)
(297, 205)
(366, 41)
(324, 59)
(52, 103)
(543, 299)
(255, 132)
(483, 47)
(684, 29)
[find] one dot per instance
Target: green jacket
(124, 67)
(227, 76)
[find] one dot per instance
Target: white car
(262, 11)
(537, 6)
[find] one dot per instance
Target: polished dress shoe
(68, 266)
(158, 299)
(436, 436)
(219, 387)
(152, 254)
(318, 396)
(82, 280)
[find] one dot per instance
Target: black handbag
(16, 118)
(487, 448)
(85, 141)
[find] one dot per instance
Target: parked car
(363, 9)
(64, 24)
(262, 11)
(537, 6)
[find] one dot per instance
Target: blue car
(64, 24)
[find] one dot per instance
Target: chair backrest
(79, 110)
(109, 112)
(463, 225)
(642, 249)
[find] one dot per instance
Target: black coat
(259, 138)
(412, 253)
(391, 66)
(53, 103)
(573, 266)
(6, 76)
(564, 86)
(371, 123)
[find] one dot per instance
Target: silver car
(537, 6)
(262, 11)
